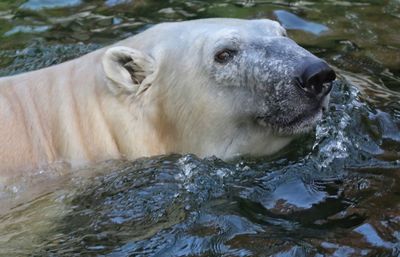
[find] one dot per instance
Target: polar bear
(222, 87)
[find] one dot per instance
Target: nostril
(316, 82)
(328, 88)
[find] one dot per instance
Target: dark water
(335, 193)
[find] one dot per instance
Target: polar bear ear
(128, 70)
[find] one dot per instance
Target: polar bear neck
(52, 117)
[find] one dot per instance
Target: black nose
(314, 77)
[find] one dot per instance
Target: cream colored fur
(92, 109)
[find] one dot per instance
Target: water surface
(332, 193)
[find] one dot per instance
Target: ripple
(372, 236)
(27, 29)
(49, 4)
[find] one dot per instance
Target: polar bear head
(221, 87)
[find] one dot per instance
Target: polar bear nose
(315, 76)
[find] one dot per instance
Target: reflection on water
(291, 21)
(47, 4)
(332, 194)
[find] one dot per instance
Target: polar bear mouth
(306, 121)
(299, 124)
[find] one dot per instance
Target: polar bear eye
(224, 56)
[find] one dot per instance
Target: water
(335, 193)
